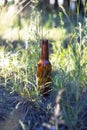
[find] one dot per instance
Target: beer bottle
(44, 70)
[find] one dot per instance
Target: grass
(69, 65)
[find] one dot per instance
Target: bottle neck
(44, 50)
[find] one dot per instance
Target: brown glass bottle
(44, 70)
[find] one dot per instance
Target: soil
(16, 111)
(19, 113)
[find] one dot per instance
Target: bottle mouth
(44, 41)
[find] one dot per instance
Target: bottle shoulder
(44, 62)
